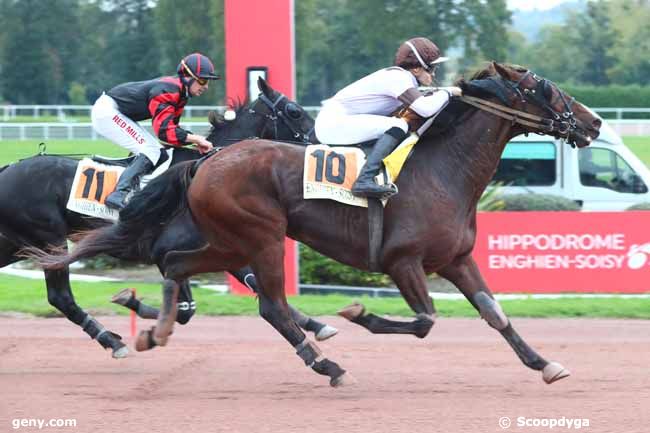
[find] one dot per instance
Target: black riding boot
(129, 178)
(365, 185)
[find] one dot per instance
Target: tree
(596, 38)
(181, 31)
(630, 19)
(339, 41)
(39, 50)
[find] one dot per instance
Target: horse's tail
(156, 204)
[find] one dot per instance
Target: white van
(604, 176)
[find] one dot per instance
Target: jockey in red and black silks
(116, 113)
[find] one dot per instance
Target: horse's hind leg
(411, 281)
(268, 267)
(321, 331)
(8, 252)
(60, 296)
(464, 273)
(186, 305)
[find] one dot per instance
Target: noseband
(559, 124)
(285, 115)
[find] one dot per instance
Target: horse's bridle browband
(561, 123)
(276, 114)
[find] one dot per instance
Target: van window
(529, 163)
(606, 169)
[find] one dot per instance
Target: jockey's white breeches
(335, 126)
(109, 122)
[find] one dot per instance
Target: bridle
(289, 114)
(558, 124)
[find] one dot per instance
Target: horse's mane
(482, 83)
(4, 168)
(238, 106)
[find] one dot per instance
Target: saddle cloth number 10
(334, 168)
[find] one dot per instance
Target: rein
(561, 123)
(515, 116)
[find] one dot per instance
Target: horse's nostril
(597, 123)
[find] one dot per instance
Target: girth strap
(375, 233)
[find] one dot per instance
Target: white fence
(64, 112)
(68, 129)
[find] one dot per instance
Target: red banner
(554, 252)
(259, 33)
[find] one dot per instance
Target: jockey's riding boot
(365, 185)
(129, 178)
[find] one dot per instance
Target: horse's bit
(289, 114)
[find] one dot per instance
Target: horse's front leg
(268, 266)
(322, 331)
(411, 280)
(60, 296)
(158, 335)
(464, 273)
(186, 304)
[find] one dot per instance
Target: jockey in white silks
(361, 111)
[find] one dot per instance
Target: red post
(134, 325)
(260, 34)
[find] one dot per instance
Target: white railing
(67, 129)
(71, 131)
(63, 112)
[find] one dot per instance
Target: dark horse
(37, 217)
(247, 197)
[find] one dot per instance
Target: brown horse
(249, 196)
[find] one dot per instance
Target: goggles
(201, 81)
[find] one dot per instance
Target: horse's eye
(293, 111)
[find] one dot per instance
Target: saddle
(124, 162)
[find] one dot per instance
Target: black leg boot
(365, 185)
(129, 178)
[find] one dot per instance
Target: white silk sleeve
(427, 106)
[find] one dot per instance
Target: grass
(640, 146)
(29, 296)
(74, 119)
(14, 150)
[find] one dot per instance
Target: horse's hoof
(122, 297)
(144, 341)
(326, 332)
(554, 372)
(346, 379)
(120, 353)
(352, 311)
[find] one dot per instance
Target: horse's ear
(263, 86)
(504, 71)
(214, 119)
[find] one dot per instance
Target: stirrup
(383, 195)
(116, 203)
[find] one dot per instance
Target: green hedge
(639, 206)
(537, 202)
(614, 96)
(318, 269)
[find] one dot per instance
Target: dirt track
(235, 374)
